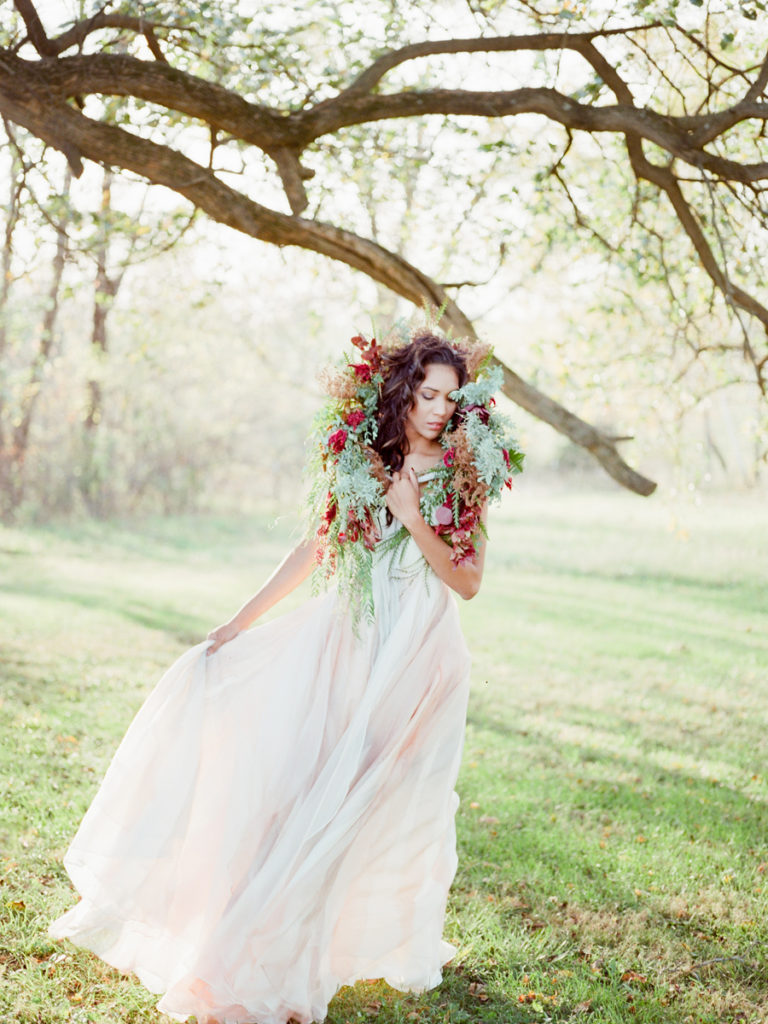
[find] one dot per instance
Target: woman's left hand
(221, 635)
(403, 497)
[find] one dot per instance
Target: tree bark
(16, 457)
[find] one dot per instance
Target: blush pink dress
(279, 819)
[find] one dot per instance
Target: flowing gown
(279, 819)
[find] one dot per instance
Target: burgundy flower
(353, 527)
(362, 371)
(330, 510)
(355, 418)
(479, 410)
(508, 481)
(449, 456)
(337, 440)
(468, 518)
(371, 353)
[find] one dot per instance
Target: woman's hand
(403, 497)
(221, 635)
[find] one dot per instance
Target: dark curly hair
(404, 370)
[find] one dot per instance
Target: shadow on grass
(593, 785)
(463, 997)
(155, 615)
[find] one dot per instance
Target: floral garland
(349, 479)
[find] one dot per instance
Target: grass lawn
(613, 827)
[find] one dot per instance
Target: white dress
(279, 819)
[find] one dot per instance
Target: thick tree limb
(583, 434)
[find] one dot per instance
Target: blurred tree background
(581, 186)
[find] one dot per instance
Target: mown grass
(613, 827)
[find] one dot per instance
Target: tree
(680, 98)
(21, 388)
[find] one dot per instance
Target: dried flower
(339, 384)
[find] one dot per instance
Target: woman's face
(432, 408)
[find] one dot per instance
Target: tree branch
(36, 32)
(111, 146)
(292, 175)
(370, 78)
(77, 33)
(120, 75)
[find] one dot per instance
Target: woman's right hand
(221, 635)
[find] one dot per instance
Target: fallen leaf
(634, 976)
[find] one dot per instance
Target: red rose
(449, 457)
(362, 371)
(337, 440)
(355, 418)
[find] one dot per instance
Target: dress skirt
(278, 820)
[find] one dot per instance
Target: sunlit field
(613, 827)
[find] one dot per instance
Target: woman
(278, 820)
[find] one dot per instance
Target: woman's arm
(403, 502)
(292, 571)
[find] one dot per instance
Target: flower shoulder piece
(349, 479)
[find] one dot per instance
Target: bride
(278, 820)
